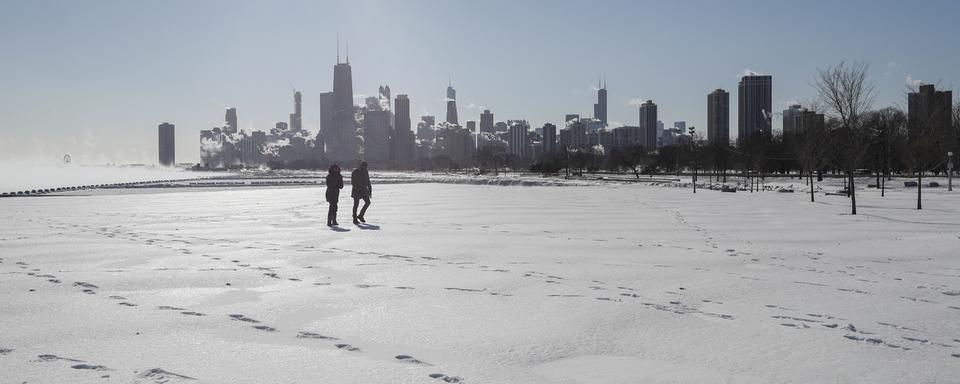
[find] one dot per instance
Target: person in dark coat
(334, 185)
(362, 190)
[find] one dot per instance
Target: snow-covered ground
(480, 284)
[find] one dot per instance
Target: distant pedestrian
(334, 185)
(362, 190)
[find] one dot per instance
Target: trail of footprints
(827, 322)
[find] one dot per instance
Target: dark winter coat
(334, 185)
(360, 184)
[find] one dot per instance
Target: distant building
(790, 118)
(929, 112)
(425, 128)
(403, 137)
(549, 138)
(718, 117)
(296, 118)
(571, 117)
(807, 119)
(628, 136)
(231, 119)
(755, 106)
(518, 139)
(472, 126)
(451, 105)
(486, 121)
(376, 136)
(167, 144)
(341, 140)
(648, 124)
(500, 126)
(600, 108)
(577, 135)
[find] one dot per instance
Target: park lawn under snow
(480, 284)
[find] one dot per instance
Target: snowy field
(480, 284)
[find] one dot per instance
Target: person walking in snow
(334, 185)
(361, 190)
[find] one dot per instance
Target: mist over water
(19, 177)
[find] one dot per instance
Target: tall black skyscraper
(648, 124)
(341, 142)
(549, 138)
(600, 108)
(403, 141)
(451, 104)
(167, 145)
(718, 117)
(486, 121)
(755, 106)
(231, 118)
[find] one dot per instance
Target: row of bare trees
(855, 139)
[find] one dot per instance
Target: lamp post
(693, 155)
(950, 171)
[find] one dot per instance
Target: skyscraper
(472, 126)
(549, 138)
(376, 136)
(451, 104)
(231, 120)
(929, 112)
(718, 117)
(755, 106)
(403, 137)
(296, 118)
(648, 124)
(167, 145)
(341, 142)
(486, 121)
(518, 139)
(790, 116)
(600, 108)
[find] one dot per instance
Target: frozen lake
(480, 284)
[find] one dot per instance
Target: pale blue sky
(94, 78)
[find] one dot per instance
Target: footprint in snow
(447, 379)
(347, 347)
(409, 359)
(90, 367)
(311, 335)
(240, 317)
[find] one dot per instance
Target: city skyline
(69, 92)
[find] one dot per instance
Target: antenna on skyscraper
(338, 48)
(348, 52)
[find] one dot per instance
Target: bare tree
(846, 95)
(812, 147)
(885, 124)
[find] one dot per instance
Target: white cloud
(913, 82)
(750, 72)
(636, 102)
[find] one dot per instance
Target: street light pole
(693, 154)
(950, 171)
